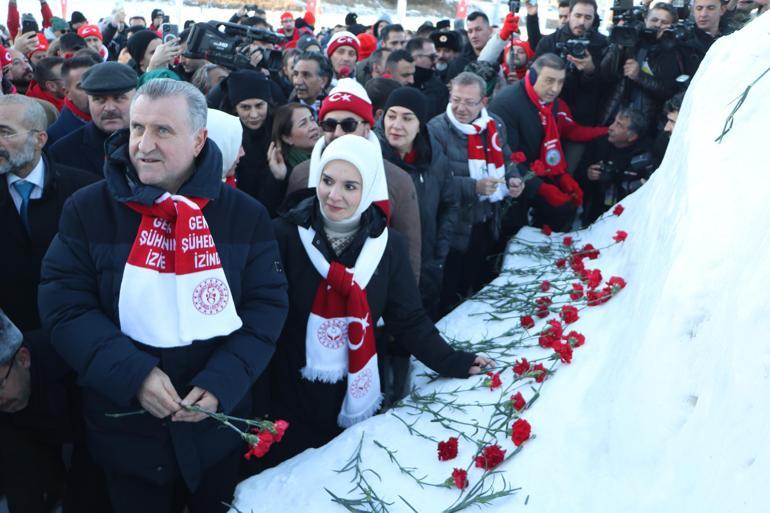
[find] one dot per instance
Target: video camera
(633, 27)
(628, 180)
(228, 44)
(677, 33)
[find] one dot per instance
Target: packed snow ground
(664, 408)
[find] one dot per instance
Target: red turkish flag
(462, 10)
(311, 6)
(64, 9)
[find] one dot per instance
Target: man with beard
(425, 79)
(75, 112)
(19, 72)
(447, 45)
(110, 87)
(48, 84)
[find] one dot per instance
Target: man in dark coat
(479, 33)
(425, 76)
(75, 112)
(212, 342)
(110, 87)
(583, 86)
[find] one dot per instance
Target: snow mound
(663, 408)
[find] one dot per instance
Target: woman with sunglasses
(406, 143)
(295, 133)
(346, 270)
(247, 94)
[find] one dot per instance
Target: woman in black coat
(324, 375)
(406, 143)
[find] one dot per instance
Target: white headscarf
(227, 133)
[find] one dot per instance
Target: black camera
(633, 27)
(578, 48)
(251, 7)
(677, 33)
(228, 44)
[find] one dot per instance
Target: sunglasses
(348, 125)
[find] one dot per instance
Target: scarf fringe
(324, 376)
(345, 421)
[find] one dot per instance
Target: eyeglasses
(460, 101)
(10, 368)
(6, 133)
(348, 125)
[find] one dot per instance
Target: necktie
(24, 188)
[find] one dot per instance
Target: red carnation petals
(527, 321)
(620, 236)
(490, 457)
(569, 314)
(460, 478)
(618, 209)
(520, 432)
(518, 401)
(447, 450)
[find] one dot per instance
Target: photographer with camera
(640, 64)
(616, 165)
(707, 15)
(582, 47)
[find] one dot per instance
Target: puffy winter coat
(79, 292)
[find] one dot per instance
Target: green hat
(59, 24)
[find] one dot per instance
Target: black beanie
(409, 98)
(138, 43)
(247, 84)
(77, 17)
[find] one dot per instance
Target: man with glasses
(471, 138)
(48, 84)
(348, 110)
(425, 76)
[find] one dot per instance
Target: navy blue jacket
(83, 149)
(78, 297)
(66, 123)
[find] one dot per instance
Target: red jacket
(35, 91)
(13, 17)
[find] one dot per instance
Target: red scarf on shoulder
(551, 153)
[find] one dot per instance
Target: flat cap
(109, 78)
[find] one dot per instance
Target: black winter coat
(79, 292)
(312, 407)
(253, 172)
(23, 253)
(83, 149)
(583, 93)
(429, 84)
(66, 123)
(439, 202)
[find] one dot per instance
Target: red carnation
(520, 432)
(576, 263)
(493, 380)
(521, 367)
(569, 314)
(620, 236)
(527, 321)
(545, 286)
(598, 297)
(564, 351)
(561, 263)
(540, 372)
(577, 291)
(490, 457)
(618, 209)
(542, 307)
(447, 450)
(593, 278)
(567, 241)
(590, 251)
(617, 283)
(460, 478)
(260, 443)
(546, 229)
(546, 340)
(518, 401)
(575, 338)
(280, 427)
(518, 157)
(538, 168)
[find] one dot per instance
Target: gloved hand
(553, 195)
(571, 187)
(510, 25)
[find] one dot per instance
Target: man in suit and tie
(110, 87)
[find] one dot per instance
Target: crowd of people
(272, 230)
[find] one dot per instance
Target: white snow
(664, 408)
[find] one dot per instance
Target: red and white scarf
(340, 330)
(483, 162)
(174, 290)
(551, 153)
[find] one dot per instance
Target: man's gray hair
(10, 339)
(33, 115)
(197, 110)
(637, 122)
(467, 78)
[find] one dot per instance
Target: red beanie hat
(287, 16)
(350, 96)
(42, 45)
(5, 57)
(368, 45)
(343, 38)
(90, 31)
(309, 18)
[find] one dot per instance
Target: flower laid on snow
(616, 283)
(593, 278)
(576, 263)
(590, 251)
(527, 321)
(546, 229)
(521, 367)
(542, 310)
(561, 263)
(520, 432)
(597, 297)
(447, 450)
(575, 338)
(567, 241)
(620, 236)
(540, 372)
(518, 402)
(545, 286)
(490, 457)
(618, 209)
(493, 380)
(459, 478)
(563, 350)
(577, 291)
(569, 314)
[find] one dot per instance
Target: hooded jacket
(78, 297)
